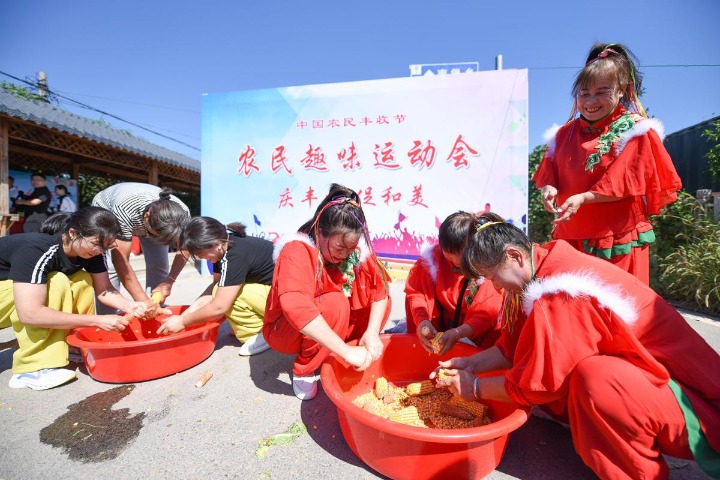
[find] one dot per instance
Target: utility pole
(43, 91)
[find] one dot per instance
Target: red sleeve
(643, 168)
(551, 343)
(559, 333)
(296, 283)
(546, 173)
(482, 315)
(419, 296)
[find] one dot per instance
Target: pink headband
(602, 54)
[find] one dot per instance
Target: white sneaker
(42, 379)
(305, 388)
(253, 345)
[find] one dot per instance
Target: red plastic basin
(406, 452)
(139, 354)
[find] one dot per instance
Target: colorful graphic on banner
(22, 185)
(415, 149)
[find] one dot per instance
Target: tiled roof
(52, 117)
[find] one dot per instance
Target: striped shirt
(128, 201)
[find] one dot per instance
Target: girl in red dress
(328, 288)
(439, 298)
(605, 171)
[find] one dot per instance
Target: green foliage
(90, 185)
(539, 226)
(686, 255)
(713, 155)
(20, 92)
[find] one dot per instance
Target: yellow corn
(435, 342)
(407, 415)
(416, 389)
(476, 408)
(442, 375)
(381, 387)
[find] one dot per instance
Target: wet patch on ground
(91, 431)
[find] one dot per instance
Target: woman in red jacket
(328, 287)
(439, 298)
(595, 348)
(605, 171)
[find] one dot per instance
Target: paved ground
(169, 429)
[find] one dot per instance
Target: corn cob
(407, 415)
(435, 342)
(381, 387)
(455, 411)
(443, 375)
(416, 389)
(476, 408)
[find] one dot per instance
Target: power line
(57, 95)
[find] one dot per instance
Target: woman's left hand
(448, 340)
(373, 344)
(172, 324)
(569, 208)
(459, 382)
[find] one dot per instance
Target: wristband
(458, 332)
(172, 278)
(475, 388)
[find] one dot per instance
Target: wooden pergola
(64, 142)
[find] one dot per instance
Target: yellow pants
(245, 316)
(40, 347)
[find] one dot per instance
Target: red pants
(621, 422)
(285, 338)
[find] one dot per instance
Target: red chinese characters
(460, 152)
(279, 160)
(348, 158)
(422, 156)
(247, 162)
(314, 159)
(385, 156)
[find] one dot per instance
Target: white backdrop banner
(415, 149)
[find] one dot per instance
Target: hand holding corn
(426, 332)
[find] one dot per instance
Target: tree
(713, 155)
(539, 226)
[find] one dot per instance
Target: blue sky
(149, 62)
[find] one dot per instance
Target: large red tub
(406, 452)
(138, 353)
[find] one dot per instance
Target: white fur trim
(582, 284)
(289, 238)
(640, 128)
(365, 250)
(549, 138)
(426, 255)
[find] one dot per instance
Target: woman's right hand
(112, 323)
(426, 332)
(549, 194)
(358, 357)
